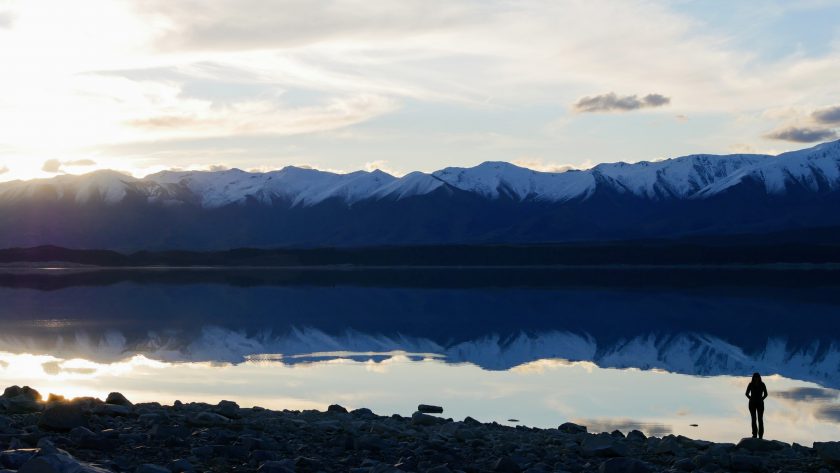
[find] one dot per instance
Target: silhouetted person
(757, 392)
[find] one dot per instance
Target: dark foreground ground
(88, 435)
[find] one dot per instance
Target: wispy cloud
(55, 166)
(611, 102)
(538, 164)
(802, 134)
(827, 116)
(199, 118)
(383, 166)
(262, 24)
(4, 169)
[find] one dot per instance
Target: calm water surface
(656, 350)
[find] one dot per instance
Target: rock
(668, 444)
(180, 466)
(114, 410)
(283, 466)
(62, 416)
(603, 445)
(336, 409)
(207, 419)
(14, 459)
(84, 438)
(418, 418)
(684, 464)
(17, 391)
(307, 464)
(363, 412)
(747, 463)
(572, 428)
(636, 436)
(761, 445)
(228, 409)
(59, 462)
(624, 465)
(506, 465)
(151, 468)
(439, 469)
(17, 400)
(429, 409)
(829, 452)
(118, 399)
(470, 421)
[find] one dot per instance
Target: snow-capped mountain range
(491, 202)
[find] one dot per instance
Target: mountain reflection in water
(440, 328)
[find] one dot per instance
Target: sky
(342, 85)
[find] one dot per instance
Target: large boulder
(228, 409)
(603, 445)
(118, 399)
(335, 408)
(207, 419)
(20, 400)
(62, 416)
(761, 445)
(429, 409)
(14, 459)
(418, 418)
(572, 428)
(57, 461)
(829, 452)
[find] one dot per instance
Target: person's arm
(764, 392)
(747, 393)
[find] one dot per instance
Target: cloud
(79, 162)
(827, 116)
(829, 413)
(3, 169)
(51, 165)
(808, 394)
(613, 103)
(801, 134)
(624, 425)
(56, 166)
(381, 165)
(260, 24)
(538, 164)
(254, 117)
(7, 20)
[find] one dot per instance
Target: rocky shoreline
(88, 435)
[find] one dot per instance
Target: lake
(662, 350)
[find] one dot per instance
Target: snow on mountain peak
(494, 179)
(698, 176)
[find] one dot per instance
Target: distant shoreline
(715, 254)
(60, 267)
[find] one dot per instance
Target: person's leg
(760, 412)
(752, 416)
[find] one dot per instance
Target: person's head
(756, 378)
